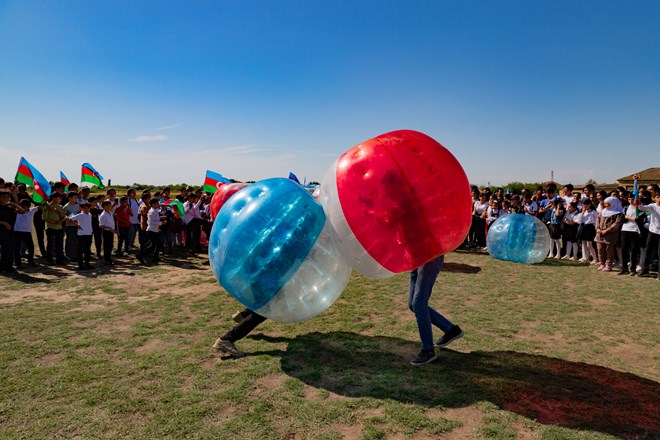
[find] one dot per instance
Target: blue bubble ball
(270, 249)
(519, 238)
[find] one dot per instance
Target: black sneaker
(424, 357)
(227, 347)
(454, 333)
(623, 272)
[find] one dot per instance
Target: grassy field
(553, 351)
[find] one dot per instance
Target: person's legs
(249, 323)
(602, 253)
(626, 247)
(50, 248)
(72, 242)
(40, 232)
(422, 280)
(86, 250)
(18, 241)
(6, 249)
(59, 245)
(81, 250)
(108, 242)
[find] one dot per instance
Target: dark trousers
(194, 234)
(652, 250)
(98, 241)
(84, 250)
(21, 238)
(250, 321)
(480, 231)
(55, 248)
(72, 242)
(629, 250)
(124, 233)
(153, 245)
(6, 248)
(39, 226)
(108, 243)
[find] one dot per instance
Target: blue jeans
(421, 286)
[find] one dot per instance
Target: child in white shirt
(587, 231)
(23, 234)
(107, 225)
(84, 222)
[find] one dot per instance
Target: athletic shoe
(453, 334)
(607, 269)
(623, 272)
(573, 259)
(583, 260)
(557, 257)
(565, 257)
(424, 357)
(238, 317)
(227, 347)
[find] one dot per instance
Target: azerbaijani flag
(89, 174)
(176, 203)
(213, 181)
(30, 176)
(65, 180)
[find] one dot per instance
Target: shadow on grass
(551, 391)
(460, 268)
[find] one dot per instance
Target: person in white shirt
(84, 222)
(23, 234)
(530, 206)
(479, 211)
(154, 220)
(570, 232)
(653, 241)
(630, 234)
(193, 221)
(587, 231)
(107, 225)
(135, 220)
(567, 194)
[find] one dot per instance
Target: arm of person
(6, 225)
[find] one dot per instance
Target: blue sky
(157, 92)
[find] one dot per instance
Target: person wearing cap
(53, 215)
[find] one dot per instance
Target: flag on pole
(294, 178)
(89, 174)
(177, 204)
(30, 176)
(213, 181)
(65, 180)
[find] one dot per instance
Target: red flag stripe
(88, 172)
(211, 182)
(22, 169)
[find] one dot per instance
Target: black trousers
(153, 245)
(84, 250)
(39, 229)
(629, 249)
(250, 321)
(108, 243)
(98, 241)
(194, 234)
(652, 250)
(71, 245)
(19, 239)
(6, 248)
(480, 231)
(55, 248)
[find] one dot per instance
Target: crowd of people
(74, 225)
(616, 230)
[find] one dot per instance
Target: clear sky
(158, 91)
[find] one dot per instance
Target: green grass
(557, 351)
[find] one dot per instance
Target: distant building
(646, 177)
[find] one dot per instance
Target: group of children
(624, 227)
(72, 221)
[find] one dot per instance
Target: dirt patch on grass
(470, 418)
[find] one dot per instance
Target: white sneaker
(557, 257)
(583, 260)
(565, 257)
(551, 255)
(573, 259)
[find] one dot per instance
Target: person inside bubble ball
(247, 321)
(422, 280)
